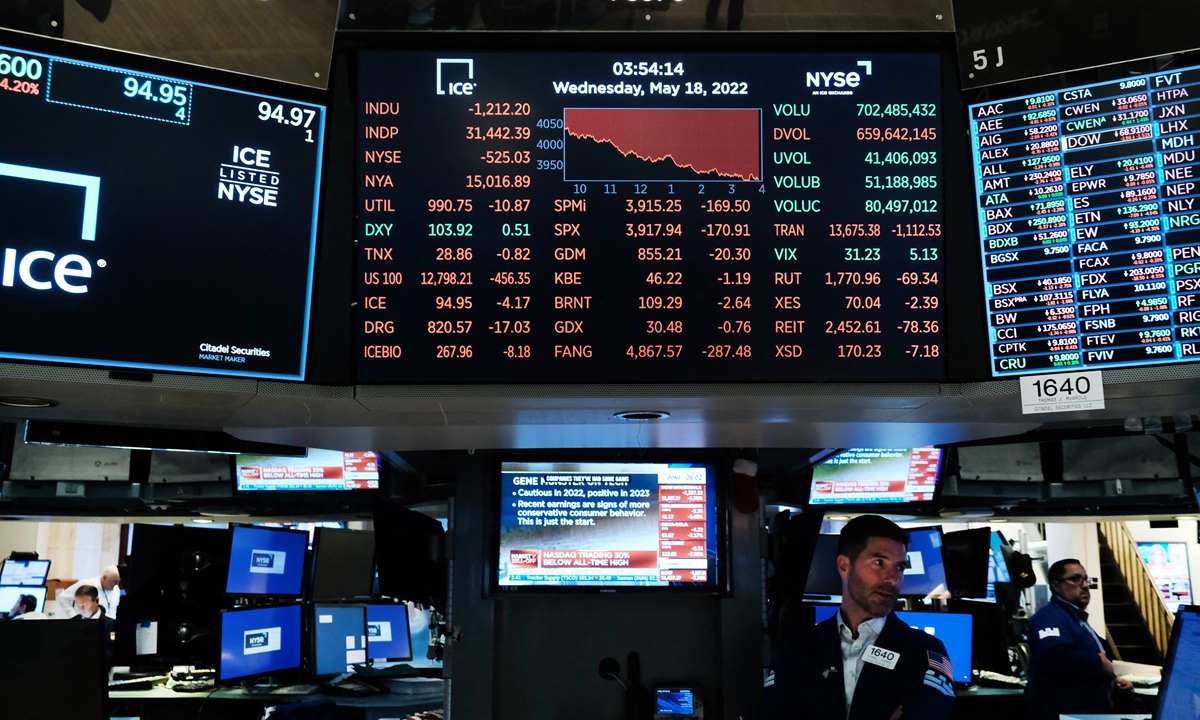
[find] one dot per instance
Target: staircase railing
(1141, 586)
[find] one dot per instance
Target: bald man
(107, 583)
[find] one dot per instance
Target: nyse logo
(449, 68)
(41, 269)
(838, 79)
(379, 631)
(262, 640)
(1048, 632)
(248, 178)
(271, 562)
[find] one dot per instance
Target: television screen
(1167, 563)
(876, 476)
(266, 561)
(339, 638)
(24, 572)
(388, 637)
(319, 470)
(10, 594)
(155, 195)
(953, 629)
(343, 564)
(259, 642)
(926, 573)
(1086, 214)
(779, 216)
(607, 525)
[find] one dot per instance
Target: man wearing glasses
(1070, 665)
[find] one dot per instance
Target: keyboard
(996, 680)
(1144, 680)
(191, 686)
(140, 683)
(288, 690)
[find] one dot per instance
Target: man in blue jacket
(864, 663)
(1070, 665)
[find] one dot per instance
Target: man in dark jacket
(864, 663)
(1070, 665)
(87, 602)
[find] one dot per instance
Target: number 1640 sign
(1065, 392)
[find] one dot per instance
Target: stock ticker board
(601, 217)
(1090, 229)
(152, 221)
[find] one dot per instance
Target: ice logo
(271, 562)
(261, 640)
(456, 88)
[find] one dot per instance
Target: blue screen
(387, 632)
(341, 636)
(997, 567)
(925, 571)
(1177, 699)
(266, 562)
(953, 629)
(259, 642)
(674, 702)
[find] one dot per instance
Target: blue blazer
(1065, 674)
(806, 688)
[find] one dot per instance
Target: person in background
(864, 663)
(107, 584)
(24, 605)
(87, 602)
(1070, 665)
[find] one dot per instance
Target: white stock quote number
(294, 116)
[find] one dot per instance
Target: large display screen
(1167, 563)
(151, 220)
(1090, 231)
(608, 525)
(876, 475)
(318, 470)
(635, 217)
(24, 572)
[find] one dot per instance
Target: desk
(235, 704)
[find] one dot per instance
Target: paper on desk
(145, 639)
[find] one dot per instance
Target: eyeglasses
(1078, 580)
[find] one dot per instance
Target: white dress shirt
(108, 599)
(852, 651)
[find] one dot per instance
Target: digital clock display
(595, 217)
(154, 218)
(1090, 229)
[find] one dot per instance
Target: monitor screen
(1167, 563)
(343, 564)
(388, 637)
(1181, 683)
(925, 573)
(707, 216)
(10, 594)
(997, 565)
(876, 476)
(607, 525)
(823, 576)
(953, 629)
(1085, 200)
(319, 470)
(155, 195)
(266, 561)
(24, 572)
(259, 642)
(674, 701)
(339, 638)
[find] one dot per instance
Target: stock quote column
(1086, 200)
(595, 217)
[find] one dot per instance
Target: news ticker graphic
(146, 203)
(541, 217)
(319, 470)
(877, 475)
(1091, 234)
(635, 525)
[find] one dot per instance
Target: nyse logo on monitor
(379, 631)
(272, 562)
(262, 640)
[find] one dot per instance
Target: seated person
(87, 603)
(24, 609)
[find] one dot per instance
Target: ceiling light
(642, 415)
(26, 403)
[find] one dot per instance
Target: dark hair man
(87, 602)
(864, 663)
(1070, 665)
(24, 604)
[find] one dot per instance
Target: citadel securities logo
(379, 631)
(456, 88)
(270, 562)
(263, 640)
(42, 269)
(248, 178)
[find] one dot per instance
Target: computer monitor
(989, 634)
(1180, 681)
(965, 553)
(33, 657)
(262, 641)
(674, 701)
(823, 576)
(997, 564)
(824, 612)
(343, 564)
(24, 572)
(10, 593)
(388, 635)
(339, 638)
(266, 561)
(926, 572)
